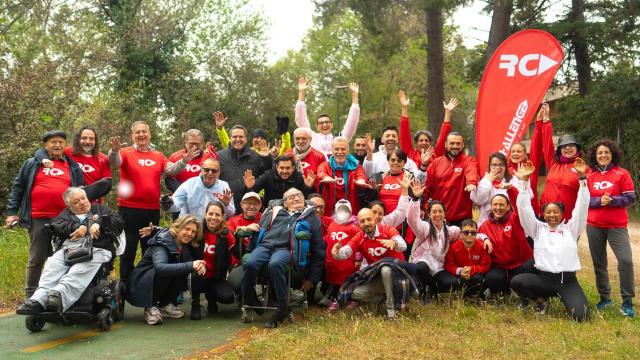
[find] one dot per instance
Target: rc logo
(304, 164)
(510, 62)
(210, 249)
(340, 235)
(602, 185)
(457, 170)
(86, 168)
(340, 181)
(52, 172)
(146, 162)
(391, 186)
(193, 168)
(377, 251)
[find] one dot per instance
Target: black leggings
(214, 290)
(439, 282)
(497, 280)
(545, 285)
(471, 287)
(134, 220)
(167, 288)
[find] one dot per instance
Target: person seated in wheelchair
(62, 282)
(288, 233)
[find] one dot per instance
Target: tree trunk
(580, 49)
(500, 21)
(435, 68)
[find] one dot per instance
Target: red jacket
(337, 271)
(446, 180)
(406, 141)
(460, 256)
(310, 162)
(510, 246)
(535, 156)
(562, 182)
(332, 192)
(372, 249)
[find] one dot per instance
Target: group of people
(381, 224)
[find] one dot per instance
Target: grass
(14, 245)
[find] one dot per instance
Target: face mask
(342, 216)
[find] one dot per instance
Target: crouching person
(280, 226)
(162, 272)
(61, 285)
(467, 261)
(387, 277)
(216, 252)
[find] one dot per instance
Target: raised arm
(301, 107)
(174, 168)
(115, 160)
(445, 129)
(223, 136)
(405, 137)
(526, 214)
(578, 221)
(351, 124)
(548, 150)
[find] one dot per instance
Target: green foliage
(14, 245)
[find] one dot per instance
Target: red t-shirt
(48, 187)
(93, 168)
(371, 249)
(460, 256)
(194, 166)
(140, 174)
(337, 271)
(614, 182)
(240, 220)
(210, 251)
(390, 191)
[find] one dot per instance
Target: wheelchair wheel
(105, 320)
(118, 300)
(33, 323)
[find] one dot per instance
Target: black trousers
(214, 290)
(167, 288)
(545, 285)
(134, 220)
(470, 287)
(438, 282)
(497, 280)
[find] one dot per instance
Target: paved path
(130, 339)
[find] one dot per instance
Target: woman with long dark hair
(612, 191)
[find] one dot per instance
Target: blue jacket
(19, 200)
(162, 258)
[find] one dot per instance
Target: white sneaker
(392, 314)
(171, 311)
(153, 316)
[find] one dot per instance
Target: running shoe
(627, 308)
(171, 311)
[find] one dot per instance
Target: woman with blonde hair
(162, 272)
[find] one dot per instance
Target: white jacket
(485, 191)
(555, 250)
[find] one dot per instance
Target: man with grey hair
(61, 285)
(193, 138)
(141, 168)
(307, 157)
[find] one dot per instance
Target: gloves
(282, 124)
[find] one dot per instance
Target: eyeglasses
(395, 161)
(566, 146)
(469, 232)
(209, 170)
(293, 196)
(324, 122)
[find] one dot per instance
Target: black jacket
(19, 200)
(162, 258)
(280, 236)
(67, 222)
(275, 187)
(234, 163)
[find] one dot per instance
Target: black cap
(259, 133)
(51, 133)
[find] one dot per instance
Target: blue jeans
(278, 260)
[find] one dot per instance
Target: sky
(290, 20)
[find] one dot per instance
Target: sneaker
(212, 307)
(603, 303)
(196, 310)
(352, 304)
(486, 294)
(391, 314)
(522, 303)
(29, 307)
(324, 301)
(627, 308)
(54, 301)
(276, 320)
(152, 316)
(334, 306)
(425, 298)
(171, 311)
(541, 308)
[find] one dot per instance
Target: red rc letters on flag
(513, 84)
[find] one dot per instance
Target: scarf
(299, 156)
(566, 160)
(348, 166)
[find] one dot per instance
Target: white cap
(343, 202)
(251, 194)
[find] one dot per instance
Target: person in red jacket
(307, 157)
(340, 176)
(318, 201)
(216, 253)
(510, 252)
(450, 179)
(342, 229)
(423, 138)
(612, 191)
(467, 261)
(562, 182)
(139, 189)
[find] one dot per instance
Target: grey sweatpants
(619, 241)
(70, 281)
(375, 290)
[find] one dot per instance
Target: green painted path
(131, 338)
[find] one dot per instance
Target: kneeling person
(61, 285)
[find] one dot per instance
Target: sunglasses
(209, 170)
(469, 232)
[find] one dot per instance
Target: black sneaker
(54, 301)
(29, 307)
(425, 298)
(196, 311)
(522, 304)
(212, 307)
(277, 319)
